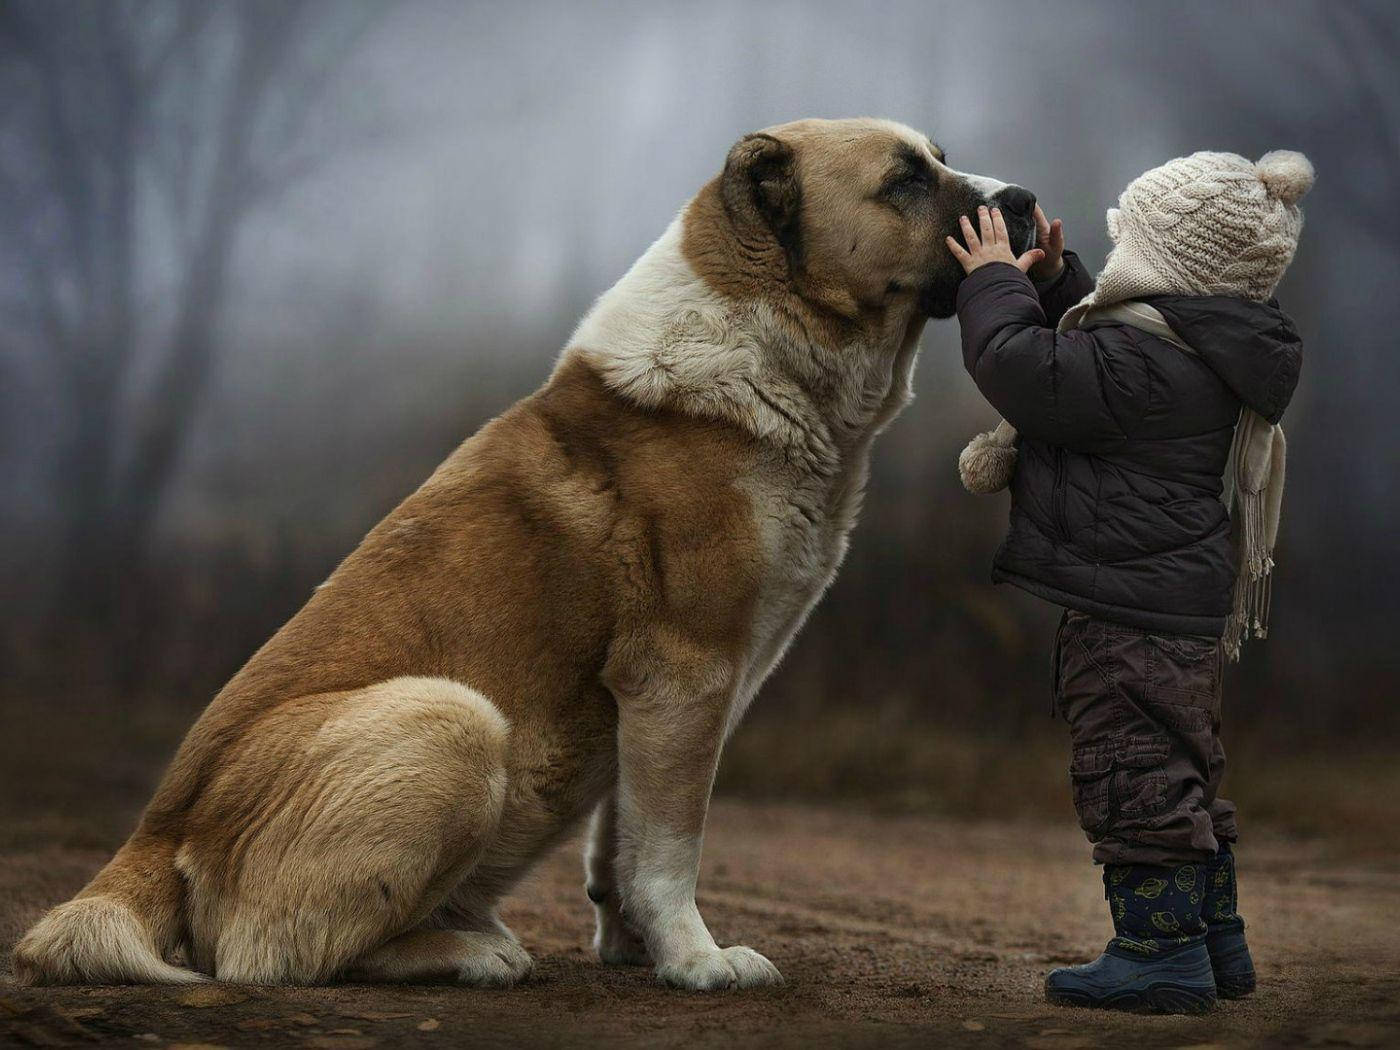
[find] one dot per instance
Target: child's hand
(1050, 239)
(993, 246)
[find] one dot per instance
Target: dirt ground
(890, 931)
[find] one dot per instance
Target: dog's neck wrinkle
(853, 382)
(663, 337)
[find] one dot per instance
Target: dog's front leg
(669, 738)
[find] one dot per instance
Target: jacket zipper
(1057, 663)
(1058, 503)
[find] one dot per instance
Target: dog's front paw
(617, 945)
(716, 969)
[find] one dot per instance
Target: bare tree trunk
(96, 77)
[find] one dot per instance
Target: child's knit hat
(1207, 224)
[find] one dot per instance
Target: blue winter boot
(1158, 961)
(1229, 954)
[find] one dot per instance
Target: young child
(1134, 396)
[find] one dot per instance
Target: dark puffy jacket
(1115, 504)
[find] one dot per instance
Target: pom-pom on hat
(1207, 224)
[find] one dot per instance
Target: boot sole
(1234, 987)
(1154, 999)
(1235, 982)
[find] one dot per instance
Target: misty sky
(492, 167)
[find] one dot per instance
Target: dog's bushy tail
(117, 930)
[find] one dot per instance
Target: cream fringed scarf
(1254, 494)
(1253, 481)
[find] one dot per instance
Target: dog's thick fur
(566, 619)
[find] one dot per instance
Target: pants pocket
(1140, 777)
(1090, 773)
(1187, 720)
(1182, 669)
(1143, 793)
(1182, 695)
(1120, 782)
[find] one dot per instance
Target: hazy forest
(263, 264)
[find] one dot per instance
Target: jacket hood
(1253, 347)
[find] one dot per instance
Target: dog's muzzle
(1017, 206)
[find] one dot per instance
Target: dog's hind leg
(360, 812)
(616, 943)
(484, 959)
(463, 940)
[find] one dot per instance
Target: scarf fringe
(1250, 615)
(1253, 493)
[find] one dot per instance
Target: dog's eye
(907, 185)
(917, 179)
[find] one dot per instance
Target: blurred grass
(1349, 795)
(80, 774)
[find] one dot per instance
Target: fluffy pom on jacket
(989, 460)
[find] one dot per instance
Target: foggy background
(264, 264)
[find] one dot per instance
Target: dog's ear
(759, 186)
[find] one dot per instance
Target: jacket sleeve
(1075, 389)
(1065, 289)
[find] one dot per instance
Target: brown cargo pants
(1144, 719)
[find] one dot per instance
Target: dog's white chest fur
(803, 546)
(662, 336)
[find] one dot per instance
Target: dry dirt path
(891, 931)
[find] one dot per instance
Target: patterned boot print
(1155, 908)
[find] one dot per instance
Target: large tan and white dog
(566, 619)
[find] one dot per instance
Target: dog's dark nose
(1014, 200)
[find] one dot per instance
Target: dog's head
(856, 211)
